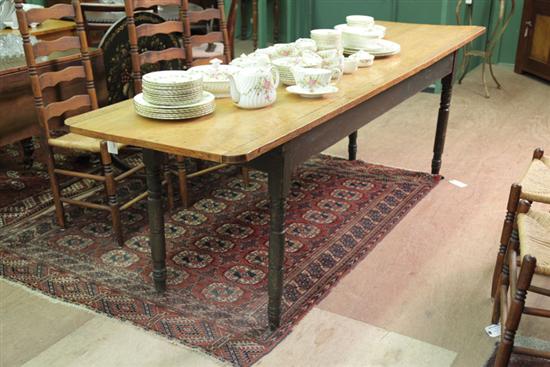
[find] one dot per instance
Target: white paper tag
(493, 330)
(469, 2)
(458, 184)
(112, 147)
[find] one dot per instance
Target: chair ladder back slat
(148, 29)
(211, 37)
(52, 78)
(45, 48)
(56, 11)
(152, 57)
(148, 4)
(56, 109)
(220, 35)
(204, 15)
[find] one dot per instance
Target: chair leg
(110, 188)
(513, 200)
(182, 176)
(169, 185)
(246, 177)
(502, 281)
(54, 183)
(516, 309)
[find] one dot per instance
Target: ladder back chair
(139, 59)
(529, 250)
(534, 187)
(47, 110)
(197, 47)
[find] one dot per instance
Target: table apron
(325, 135)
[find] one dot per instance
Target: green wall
(299, 16)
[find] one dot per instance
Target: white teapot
(254, 87)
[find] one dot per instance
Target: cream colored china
(306, 44)
(216, 77)
(285, 64)
(284, 50)
(311, 78)
(327, 38)
(162, 112)
(254, 87)
(363, 21)
(350, 65)
(363, 57)
(306, 93)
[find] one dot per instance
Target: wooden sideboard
(533, 54)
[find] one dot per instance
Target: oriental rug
(216, 301)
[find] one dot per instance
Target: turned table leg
(153, 162)
(278, 181)
(442, 120)
(28, 150)
(352, 146)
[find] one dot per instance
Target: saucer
(306, 93)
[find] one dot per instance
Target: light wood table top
(47, 27)
(233, 135)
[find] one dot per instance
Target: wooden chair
(197, 47)
(149, 57)
(529, 243)
(47, 110)
(534, 186)
(96, 24)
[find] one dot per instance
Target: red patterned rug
(217, 253)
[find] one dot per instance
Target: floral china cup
(306, 44)
(363, 57)
(254, 87)
(350, 65)
(284, 50)
(312, 79)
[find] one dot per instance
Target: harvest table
(278, 138)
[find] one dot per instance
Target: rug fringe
(58, 301)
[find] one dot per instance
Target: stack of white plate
(204, 107)
(172, 88)
(327, 39)
(173, 95)
(376, 47)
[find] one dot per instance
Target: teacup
(284, 50)
(312, 79)
(364, 58)
(306, 44)
(350, 65)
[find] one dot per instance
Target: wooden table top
(46, 27)
(234, 135)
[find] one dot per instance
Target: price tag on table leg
(112, 147)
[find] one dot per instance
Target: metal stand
(493, 38)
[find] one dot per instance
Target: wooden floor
(421, 298)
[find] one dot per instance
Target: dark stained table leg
(442, 120)
(352, 146)
(278, 181)
(28, 150)
(153, 162)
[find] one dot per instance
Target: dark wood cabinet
(533, 54)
